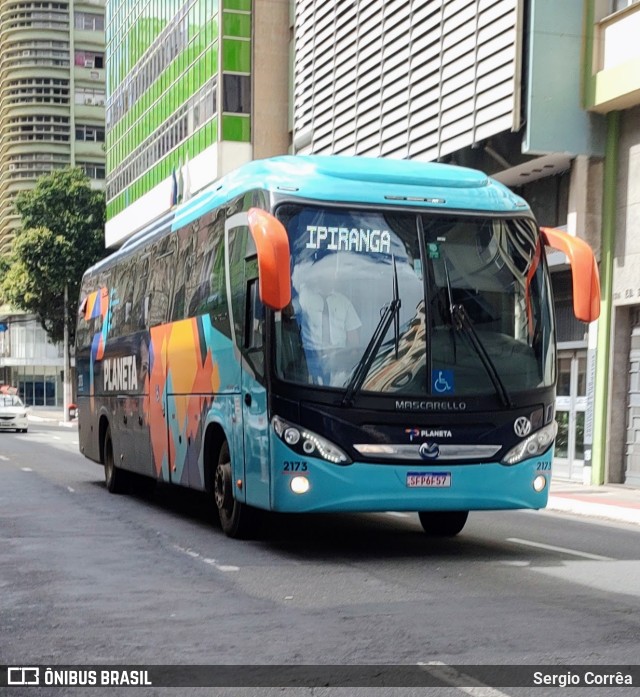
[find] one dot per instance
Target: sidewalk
(50, 415)
(611, 502)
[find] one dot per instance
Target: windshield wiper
(451, 308)
(391, 312)
(462, 322)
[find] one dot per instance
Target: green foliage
(61, 235)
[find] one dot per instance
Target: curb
(594, 510)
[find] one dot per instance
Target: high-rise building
(52, 106)
(52, 95)
(195, 88)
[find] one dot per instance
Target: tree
(61, 235)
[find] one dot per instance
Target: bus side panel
(257, 473)
(190, 359)
(86, 424)
(158, 401)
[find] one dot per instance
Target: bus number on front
(294, 466)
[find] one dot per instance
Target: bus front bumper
(419, 486)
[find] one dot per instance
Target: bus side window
(139, 311)
(237, 241)
(121, 317)
(254, 328)
(161, 280)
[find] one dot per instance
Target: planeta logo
(428, 433)
(120, 374)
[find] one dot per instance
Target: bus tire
(114, 477)
(443, 523)
(236, 518)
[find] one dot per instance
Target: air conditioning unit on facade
(88, 63)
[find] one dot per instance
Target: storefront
(30, 362)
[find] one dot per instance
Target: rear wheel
(114, 477)
(443, 523)
(236, 518)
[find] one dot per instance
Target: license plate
(436, 480)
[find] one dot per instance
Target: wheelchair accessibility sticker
(442, 381)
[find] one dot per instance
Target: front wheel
(236, 518)
(443, 523)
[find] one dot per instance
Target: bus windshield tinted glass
(488, 272)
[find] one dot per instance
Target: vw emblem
(429, 451)
(522, 426)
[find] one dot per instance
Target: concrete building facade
(52, 106)
(612, 88)
(475, 84)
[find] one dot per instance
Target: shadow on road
(335, 536)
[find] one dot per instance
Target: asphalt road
(91, 578)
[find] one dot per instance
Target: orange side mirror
(274, 259)
(584, 272)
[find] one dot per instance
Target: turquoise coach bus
(324, 333)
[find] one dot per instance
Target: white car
(13, 414)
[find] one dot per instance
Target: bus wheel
(114, 477)
(443, 523)
(236, 518)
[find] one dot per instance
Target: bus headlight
(299, 485)
(536, 444)
(306, 442)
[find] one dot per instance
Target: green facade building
(185, 79)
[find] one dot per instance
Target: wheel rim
(222, 488)
(108, 465)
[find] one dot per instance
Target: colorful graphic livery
(331, 334)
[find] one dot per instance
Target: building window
(617, 5)
(89, 59)
(89, 96)
(236, 94)
(93, 170)
(90, 133)
(88, 21)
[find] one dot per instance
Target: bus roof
(342, 179)
(360, 180)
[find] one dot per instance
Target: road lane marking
(211, 562)
(26, 469)
(70, 489)
(2, 457)
(563, 550)
(461, 681)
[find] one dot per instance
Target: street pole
(66, 378)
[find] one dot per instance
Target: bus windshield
(474, 315)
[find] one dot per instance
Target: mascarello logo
(429, 451)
